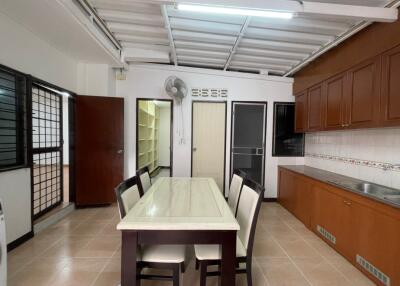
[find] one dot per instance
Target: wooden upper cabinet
(363, 98)
(314, 108)
(334, 102)
(301, 112)
(390, 103)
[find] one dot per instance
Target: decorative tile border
(367, 163)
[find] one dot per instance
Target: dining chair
(249, 206)
(235, 189)
(144, 179)
(170, 257)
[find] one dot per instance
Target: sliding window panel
(248, 139)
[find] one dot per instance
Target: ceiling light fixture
(235, 11)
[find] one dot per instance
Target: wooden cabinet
(390, 100)
(334, 102)
(363, 99)
(355, 226)
(314, 108)
(295, 195)
(377, 239)
(301, 112)
(331, 219)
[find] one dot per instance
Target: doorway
(50, 177)
(154, 118)
(248, 138)
(208, 140)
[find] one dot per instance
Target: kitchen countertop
(331, 178)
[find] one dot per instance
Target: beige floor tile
(104, 246)
(281, 272)
(108, 279)
(320, 273)
(66, 248)
(89, 228)
(267, 248)
(356, 277)
(299, 249)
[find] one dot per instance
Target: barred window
(12, 127)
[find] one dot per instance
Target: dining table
(183, 211)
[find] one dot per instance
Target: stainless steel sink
(374, 190)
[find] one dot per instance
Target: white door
(208, 140)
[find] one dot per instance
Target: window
(286, 143)
(12, 127)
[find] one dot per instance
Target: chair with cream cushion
(234, 189)
(144, 179)
(247, 213)
(170, 257)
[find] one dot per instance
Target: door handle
(194, 149)
(120, 151)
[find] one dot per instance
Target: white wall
(360, 154)
(15, 192)
(22, 50)
(164, 139)
(148, 82)
(96, 80)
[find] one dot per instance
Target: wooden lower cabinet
(353, 225)
(331, 219)
(377, 239)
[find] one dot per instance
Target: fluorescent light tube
(235, 11)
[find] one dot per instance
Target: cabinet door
(286, 190)
(334, 104)
(332, 213)
(302, 199)
(301, 112)
(314, 109)
(363, 98)
(377, 239)
(390, 108)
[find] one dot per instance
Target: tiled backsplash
(364, 154)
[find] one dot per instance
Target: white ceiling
(206, 40)
(51, 21)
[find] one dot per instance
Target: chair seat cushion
(163, 253)
(213, 252)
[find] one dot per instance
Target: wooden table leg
(128, 259)
(228, 259)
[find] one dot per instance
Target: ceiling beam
(279, 45)
(303, 8)
(170, 36)
(238, 38)
(131, 17)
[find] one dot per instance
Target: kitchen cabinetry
(365, 96)
(331, 214)
(358, 227)
(301, 112)
(334, 102)
(314, 108)
(390, 103)
(363, 99)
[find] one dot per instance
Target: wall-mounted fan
(176, 88)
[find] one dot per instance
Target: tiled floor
(84, 249)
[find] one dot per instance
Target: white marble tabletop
(181, 204)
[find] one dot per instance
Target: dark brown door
(315, 108)
(334, 104)
(99, 148)
(363, 100)
(301, 112)
(390, 109)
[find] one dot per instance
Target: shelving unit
(149, 122)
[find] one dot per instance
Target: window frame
(21, 125)
(274, 153)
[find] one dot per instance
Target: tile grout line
(262, 272)
(291, 260)
(324, 257)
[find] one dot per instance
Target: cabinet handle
(349, 203)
